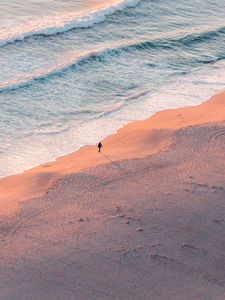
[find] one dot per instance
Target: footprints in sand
(197, 268)
(130, 252)
(128, 220)
(71, 224)
(139, 229)
(135, 224)
(195, 187)
(191, 250)
(217, 189)
(220, 223)
(187, 249)
(83, 219)
(167, 262)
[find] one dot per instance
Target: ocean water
(73, 72)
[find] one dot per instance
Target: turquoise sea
(73, 72)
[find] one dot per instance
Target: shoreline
(129, 142)
(152, 203)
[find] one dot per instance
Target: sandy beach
(144, 219)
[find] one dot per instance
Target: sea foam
(59, 24)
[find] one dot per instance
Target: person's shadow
(115, 164)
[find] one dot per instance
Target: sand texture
(143, 220)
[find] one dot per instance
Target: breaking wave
(61, 24)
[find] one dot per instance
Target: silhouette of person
(99, 146)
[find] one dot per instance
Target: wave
(202, 36)
(185, 40)
(74, 59)
(57, 25)
(26, 79)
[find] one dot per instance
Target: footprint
(193, 251)
(167, 262)
(218, 221)
(156, 245)
(131, 252)
(218, 188)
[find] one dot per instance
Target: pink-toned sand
(145, 219)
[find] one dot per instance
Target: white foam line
(27, 79)
(60, 24)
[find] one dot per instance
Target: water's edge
(107, 136)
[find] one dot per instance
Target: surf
(184, 41)
(25, 79)
(61, 23)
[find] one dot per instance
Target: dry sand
(143, 220)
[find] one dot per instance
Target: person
(99, 146)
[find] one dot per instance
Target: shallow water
(72, 72)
